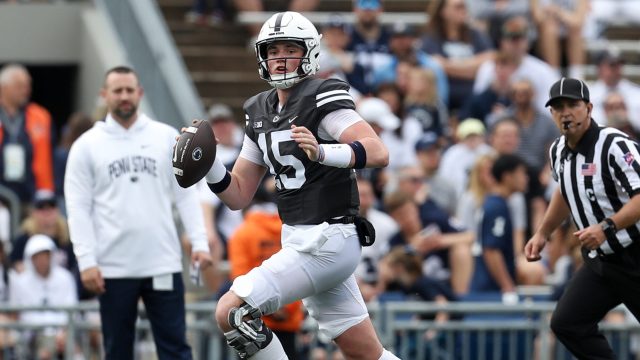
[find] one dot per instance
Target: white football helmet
(288, 26)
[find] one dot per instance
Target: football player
(306, 132)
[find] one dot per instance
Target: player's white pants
(316, 264)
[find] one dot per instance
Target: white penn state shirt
(119, 188)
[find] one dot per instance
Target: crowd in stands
(460, 105)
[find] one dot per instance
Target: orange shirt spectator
(25, 137)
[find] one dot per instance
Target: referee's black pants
(164, 308)
(588, 298)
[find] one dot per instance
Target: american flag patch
(588, 169)
(628, 158)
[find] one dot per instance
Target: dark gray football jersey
(307, 192)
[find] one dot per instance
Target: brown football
(194, 153)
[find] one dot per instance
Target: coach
(598, 175)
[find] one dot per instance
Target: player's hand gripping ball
(194, 153)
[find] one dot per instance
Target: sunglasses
(42, 205)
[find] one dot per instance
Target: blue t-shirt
(496, 232)
(459, 89)
(368, 56)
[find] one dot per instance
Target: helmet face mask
(288, 27)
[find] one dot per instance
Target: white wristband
(336, 155)
(216, 173)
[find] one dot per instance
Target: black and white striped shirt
(597, 178)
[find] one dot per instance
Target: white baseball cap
(377, 111)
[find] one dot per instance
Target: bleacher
(224, 70)
(222, 67)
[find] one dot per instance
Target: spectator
(367, 270)
(378, 114)
(369, 45)
(492, 102)
(458, 159)
(402, 45)
(515, 44)
(490, 15)
(495, 270)
(404, 267)
(537, 130)
(255, 240)
(25, 137)
(458, 47)
(559, 22)
(445, 248)
(423, 104)
(335, 61)
(77, 124)
(43, 283)
(617, 115)
(610, 79)
(45, 218)
(429, 154)
(120, 172)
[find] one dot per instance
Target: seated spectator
(423, 104)
(537, 129)
(43, 283)
(457, 46)
(404, 268)
(378, 114)
(495, 269)
(458, 159)
(514, 43)
(335, 61)
(610, 79)
(402, 45)
(561, 22)
(45, 218)
(490, 15)
(369, 44)
(445, 248)
(617, 114)
(25, 137)
(492, 102)
(441, 191)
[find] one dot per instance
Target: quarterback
(306, 132)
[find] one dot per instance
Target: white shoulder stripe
(329, 93)
(334, 98)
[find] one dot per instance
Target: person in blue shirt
(495, 269)
(402, 45)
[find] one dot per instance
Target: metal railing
(476, 330)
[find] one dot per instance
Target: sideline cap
(568, 88)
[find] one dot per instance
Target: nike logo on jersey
(293, 118)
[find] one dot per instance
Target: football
(194, 153)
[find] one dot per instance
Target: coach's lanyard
(14, 154)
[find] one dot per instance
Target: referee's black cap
(568, 88)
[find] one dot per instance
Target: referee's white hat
(568, 88)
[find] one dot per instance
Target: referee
(598, 175)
